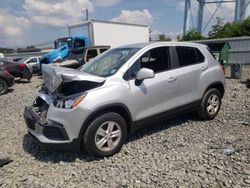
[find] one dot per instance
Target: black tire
(3, 87)
(205, 112)
(90, 137)
(27, 74)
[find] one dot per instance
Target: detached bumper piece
(51, 130)
(5, 161)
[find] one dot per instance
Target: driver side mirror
(145, 73)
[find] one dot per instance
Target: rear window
(103, 50)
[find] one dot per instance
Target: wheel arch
(2, 78)
(217, 85)
(118, 108)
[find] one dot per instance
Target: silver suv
(125, 88)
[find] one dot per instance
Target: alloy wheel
(213, 104)
(108, 136)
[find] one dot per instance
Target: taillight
(223, 68)
(22, 66)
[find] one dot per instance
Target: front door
(155, 95)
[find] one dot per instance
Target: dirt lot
(183, 152)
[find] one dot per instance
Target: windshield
(63, 41)
(110, 62)
(23, 60)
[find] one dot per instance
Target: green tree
(238, 29)
(163, 37)
(6, 50)
(193, 34)
(245, 27)
(178, 37)
(216, 28)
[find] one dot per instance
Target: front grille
(30, 124)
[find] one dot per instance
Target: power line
(212, 16)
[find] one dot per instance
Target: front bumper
(60, 130)
(10, 81)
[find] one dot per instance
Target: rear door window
(186, 55)
(189, 56)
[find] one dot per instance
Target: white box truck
(109, 33)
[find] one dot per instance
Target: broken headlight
(71, 101)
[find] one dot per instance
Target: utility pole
(86, 14)
(200, 15)
(202, 4)
(186, 16)
(237, 16)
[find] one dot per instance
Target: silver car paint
(167, 90)
(32, 65)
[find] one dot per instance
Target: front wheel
(3, 87)
(210, 104)
(105, 135)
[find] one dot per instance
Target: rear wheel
(210, 105)
(27, 74)
(3, 87)
(105, 135)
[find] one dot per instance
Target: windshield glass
(109, 63)
(62, 42)
(22, 60)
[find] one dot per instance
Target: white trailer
(114, 34)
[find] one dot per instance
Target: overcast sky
(27, 22)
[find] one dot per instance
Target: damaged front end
(66, 88)
(48, 119)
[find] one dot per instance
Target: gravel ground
(183, 152)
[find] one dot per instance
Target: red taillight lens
(223, 68)
(22, 66)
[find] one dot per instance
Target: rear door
(192, 64)
(155, 95)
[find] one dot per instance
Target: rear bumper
(49, 133)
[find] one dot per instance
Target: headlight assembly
(71, 101)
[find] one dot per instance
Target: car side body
(16, 69)
(33, 63)
(159, 80)
(6, 81)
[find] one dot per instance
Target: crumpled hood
(53, 76)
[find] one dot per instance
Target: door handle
(172, 79)
(203, 68)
